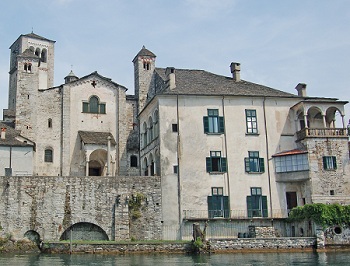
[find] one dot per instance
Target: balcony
(232, 214)
(322, 133)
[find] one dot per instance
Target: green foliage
(135, 203)
(322, 214)
(198, 243)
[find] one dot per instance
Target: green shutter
(206, 124)
(208, 163)
(334, 162)
(325, 163)
(221, 125)
(264, 206)
(85, 107)
(247, 165)
(226, 207)
(262, 165)
(249, 206)
(102, 108)
(210, 207)
(223, 165)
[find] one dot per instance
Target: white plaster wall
(21, 160)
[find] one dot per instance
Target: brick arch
(84, 231)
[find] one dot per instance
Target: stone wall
(51, 205)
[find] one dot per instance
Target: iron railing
(234, 214)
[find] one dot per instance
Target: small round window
(337, 230)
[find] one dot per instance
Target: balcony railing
(232, 214)
(322, 133)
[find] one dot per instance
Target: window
(150, 129)
(49, 123)
(156, 125)
(251, 122)
(133, 161)
(329, 163)
(254, 164)
(94, 106)
(218, 205)
(256, 203)
(216, 163)
(48, 156)
(174, 127)
(213, 123)
(176, 169)
(291, 163)
(145, 134)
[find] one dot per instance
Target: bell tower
(144, 66)
(31, 64)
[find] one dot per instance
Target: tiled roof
(291, 152)
(36, 36)
(29, 53)
(144, 52)
(98, 138)
(11, 137)
(200, 82)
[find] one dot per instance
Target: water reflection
(241, 259)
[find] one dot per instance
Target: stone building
(86, 126)
(224, 148)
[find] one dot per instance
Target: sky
(278, 43)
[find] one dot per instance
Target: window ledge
(255, 173)
(252, 134)
(296, 171)
(214, 133)
(217, 173)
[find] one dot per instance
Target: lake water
(242, 259)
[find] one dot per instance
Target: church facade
(224, 148)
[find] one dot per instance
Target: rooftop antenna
(32, 30)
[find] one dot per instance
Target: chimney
(301, 88)
(3, 133)
(235, 70)
(170, 74)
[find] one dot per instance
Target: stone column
(324, 121)
(305, 120)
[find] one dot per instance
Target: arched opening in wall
(37, 52)
(31, 48)
(315, 118)
(145, 167)
(84, 231)
(97, 162)
(33, 236)
(43, 56)
(334, 118)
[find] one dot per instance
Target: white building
(229, 148)
(16, 153)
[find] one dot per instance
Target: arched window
(37, 52)
(145, 134)
(145, 166)
(133, 161)
(150, 129)
(156, 125)
(49, 123)
(48, 156)
(29, 67)
(43, 57)
(25, 67)
(152, 165)
(94, 106)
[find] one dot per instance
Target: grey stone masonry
(51, 205)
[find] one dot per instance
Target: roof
(101, 77)
(144, 52)
(98, 138)
(36, 36)
(291, 152)
(200, 82)
(29, 53)
(12, 138)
